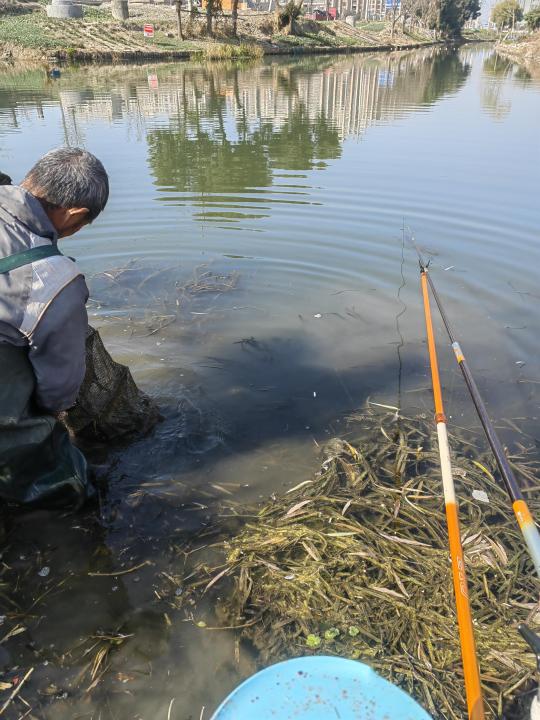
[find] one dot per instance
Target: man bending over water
(43, 325)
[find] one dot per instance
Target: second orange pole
(473, 690)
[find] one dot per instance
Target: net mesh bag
(110, 406)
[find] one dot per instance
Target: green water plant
(354, 562)
(313, 641)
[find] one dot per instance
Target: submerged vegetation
(354, 562)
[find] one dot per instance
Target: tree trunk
(119, 9)
(209, 10)
(179, 19)
(327, 9)
(294, 24)
(234, 17)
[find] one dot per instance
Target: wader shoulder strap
(17, 260)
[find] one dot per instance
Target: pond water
(254, 269)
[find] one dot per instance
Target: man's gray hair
(70, 178)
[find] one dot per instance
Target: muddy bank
(29, 35)
(525, 52)
(135, 56)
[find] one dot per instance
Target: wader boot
(38, 463)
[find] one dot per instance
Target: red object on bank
(322, 15)
(148, 31)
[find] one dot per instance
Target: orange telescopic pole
(473, 690)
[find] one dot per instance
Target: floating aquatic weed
(152, 300)
(331, 633)
(313, 641)
(205, 280)
(365, 546)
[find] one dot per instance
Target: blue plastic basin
(318, 688)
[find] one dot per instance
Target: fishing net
(110, 406)
(354, 562)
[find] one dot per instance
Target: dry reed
(354, 562)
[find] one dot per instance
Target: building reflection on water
(213, 128)
(350, 93)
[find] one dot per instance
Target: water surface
(299, 182)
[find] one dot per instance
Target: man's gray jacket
(42, 305)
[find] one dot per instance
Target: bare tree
(178, 4)
(395, 15)
(420, 13)
(286, 16)
(234, 17)
(209, 17)
(409, 8)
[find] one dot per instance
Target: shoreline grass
(98, 37)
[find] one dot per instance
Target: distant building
(340, 9)
(362, 9)
(226, 5)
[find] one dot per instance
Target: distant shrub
(228, 51)
(506, 13)
(532, 19)
(267, 27)
(287, 16)
(251, 50)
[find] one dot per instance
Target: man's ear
(79, 215)
(67, 221)
(74, 220)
